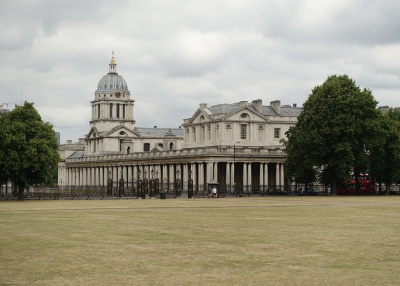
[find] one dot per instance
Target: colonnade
(201, 173)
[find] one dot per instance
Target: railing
(207, 151)
(199, 191)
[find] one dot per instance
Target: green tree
(385, 158)
(28, 151)
(334, 132)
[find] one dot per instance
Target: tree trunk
(21, 195)
(334, 188)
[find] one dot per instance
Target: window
(260, 133)
(194, 134)
(277, 132)
(244, 115)
(146, 147)
(111, 108)
(117, 110)
(203, 133)
(243, 131)
(98, 111)
(123, 111)
(120, 144)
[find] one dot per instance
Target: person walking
(209, 192)
(214, 193)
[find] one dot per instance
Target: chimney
(244, 103)
(294, 104)
(203, 105)
(69, 141)
(276, 106)
(257, 105)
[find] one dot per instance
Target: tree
(28, 153)
(334, 133)
(385, 158)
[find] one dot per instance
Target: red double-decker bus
(348, 187)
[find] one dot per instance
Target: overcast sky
(177, 54)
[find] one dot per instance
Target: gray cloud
(176, 54)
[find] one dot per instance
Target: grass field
(233, 241)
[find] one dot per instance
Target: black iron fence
(167, 190)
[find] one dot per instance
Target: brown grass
(240, 241)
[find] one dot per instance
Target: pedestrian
(209, 191)
(214, 193)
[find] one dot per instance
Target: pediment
(122, 131)
(200, 116)
(244, 114)
(93, 133)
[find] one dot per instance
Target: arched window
(171, 146)
(128, 150)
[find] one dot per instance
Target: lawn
(232, 241)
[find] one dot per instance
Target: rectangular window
(98, 111)
(277, 132)
(243, 131)
(117, 110)
(111, 108)
(123, 111)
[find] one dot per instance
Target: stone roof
(77, 154)
(286, 110)
(147, 131)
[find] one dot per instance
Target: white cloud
(176, 54)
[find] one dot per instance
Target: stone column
(249, 178)
(277, 175)
(266, 179)
(215, 176)
(171, 174)
(194, 177)
(228, 176)
(201, 176)
(233, 177)
(261, 177)
(245, 183)
(282, 176)
(209, 176)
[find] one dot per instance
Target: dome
(112, 81)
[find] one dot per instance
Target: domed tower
(112, 105)
(112, 124)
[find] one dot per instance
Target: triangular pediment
(199, 116)
(121, 131)
(93, 133)
(237, 115)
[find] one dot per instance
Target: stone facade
(234, 145)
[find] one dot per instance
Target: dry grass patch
(243, 241)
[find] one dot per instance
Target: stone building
(234, 145)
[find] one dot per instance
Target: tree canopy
(28, 153)
(334, 134)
